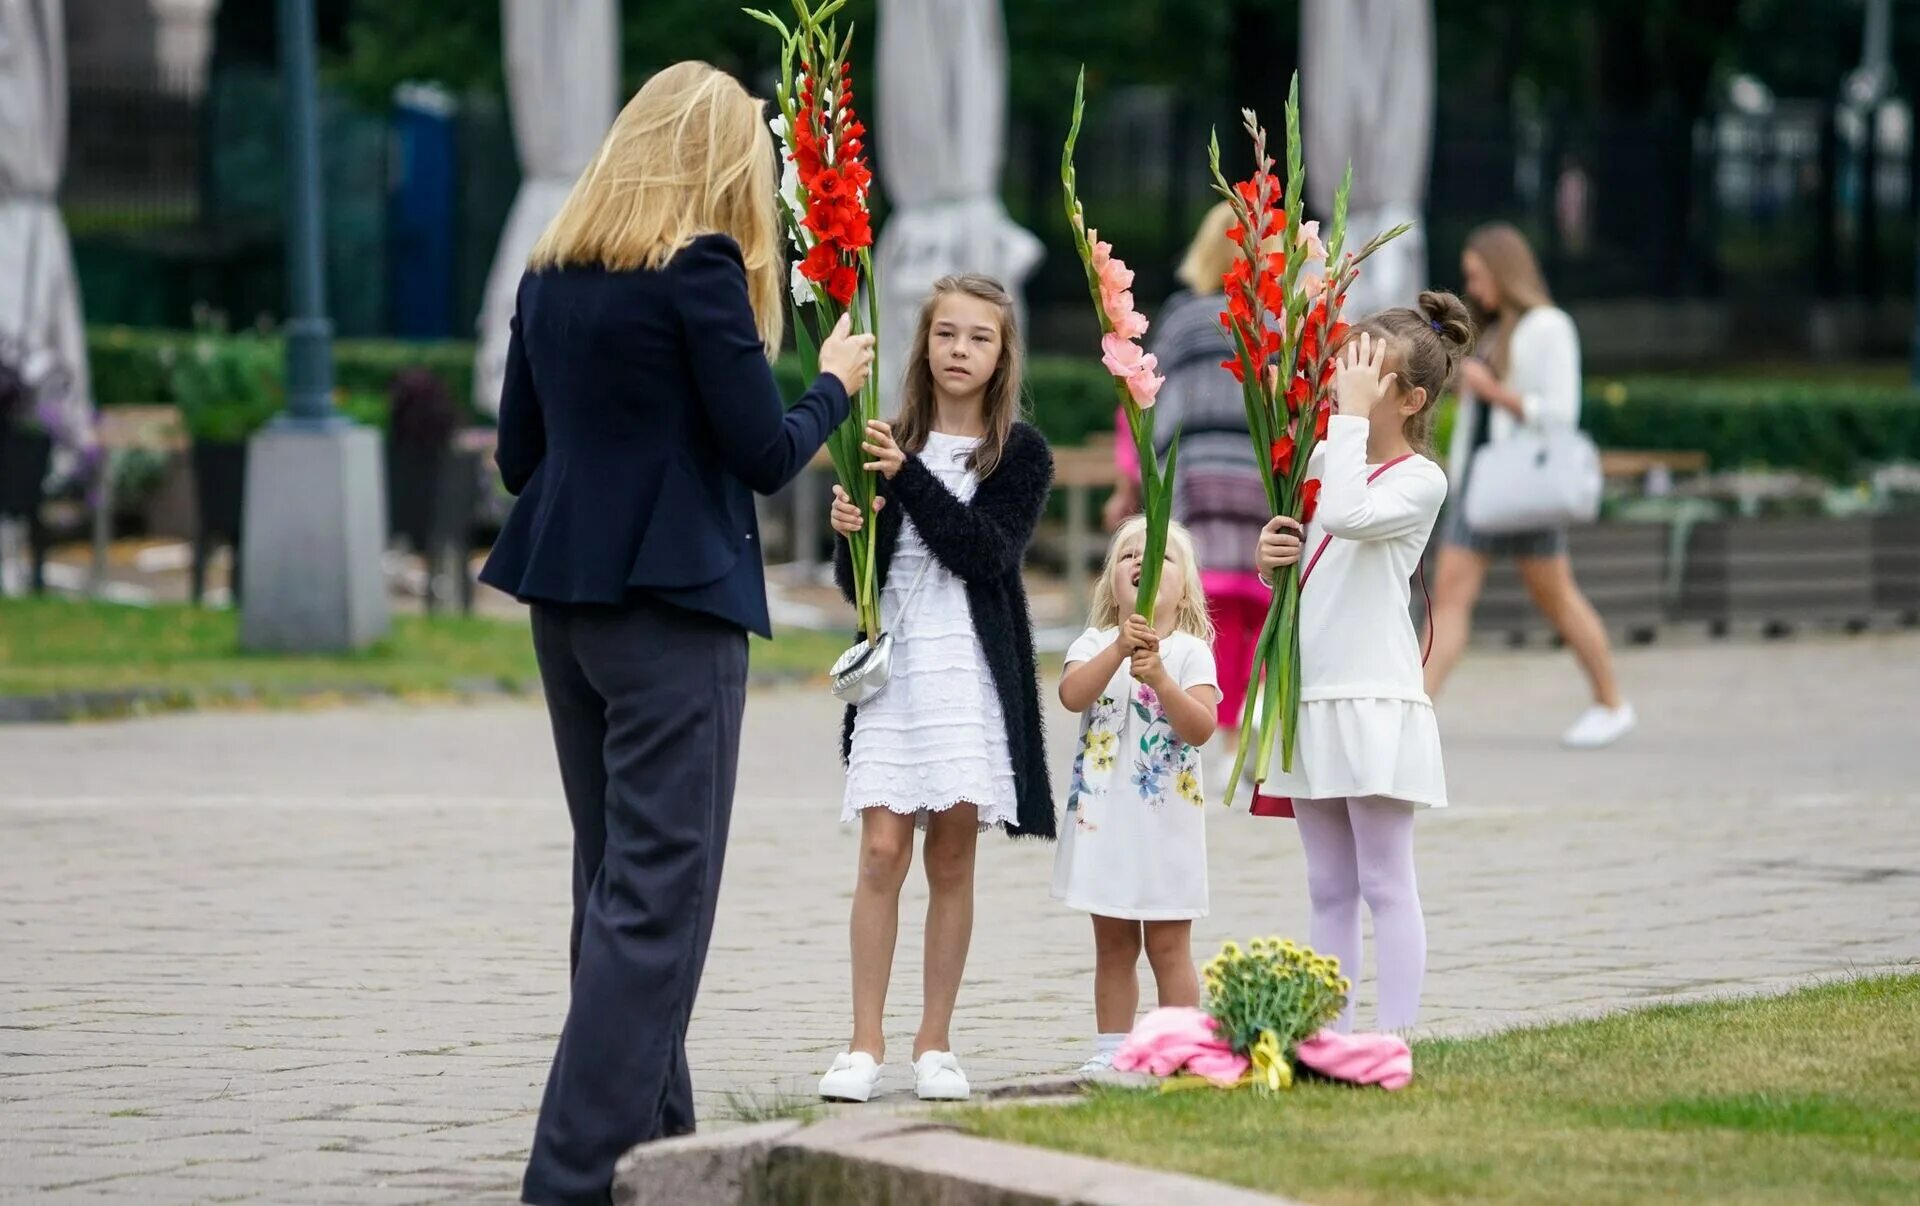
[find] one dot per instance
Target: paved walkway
(320, 957)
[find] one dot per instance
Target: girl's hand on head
(845, 517)
(1361, 379)
(1279, 545)
(1136, 634)
(887, 457)
(847, 356)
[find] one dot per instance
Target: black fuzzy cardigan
(983, 542)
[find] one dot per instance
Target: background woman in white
(1527, 374)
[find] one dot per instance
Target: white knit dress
(1366, 725)
(935, 736)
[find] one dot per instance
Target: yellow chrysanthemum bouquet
(1266, 999)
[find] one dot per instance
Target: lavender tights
(1362, 849)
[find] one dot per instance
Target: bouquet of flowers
(1284, 325)
(1136, 373)
(1261, 1005)
(823, 205)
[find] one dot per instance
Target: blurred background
(1722, 193)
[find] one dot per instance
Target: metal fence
(171, 198)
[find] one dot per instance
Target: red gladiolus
(1320, 422)
(828, 185)
(820, 262)
(1232, 365)
(1309, 499)
(842, 285)
(1282, 455)
(1299, 393)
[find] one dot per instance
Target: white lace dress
(935, 737)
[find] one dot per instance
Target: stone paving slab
(321, 957)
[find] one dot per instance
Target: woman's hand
(887, 457)
(1361, 380)
(847, 356)
(1136, 634)
(845, 517)
(1279, 545)
(1476, 375)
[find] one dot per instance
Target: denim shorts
(1547, 542)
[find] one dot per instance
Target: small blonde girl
(1134, 853)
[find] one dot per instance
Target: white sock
(1107, 1044)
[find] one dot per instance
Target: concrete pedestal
(315, 531)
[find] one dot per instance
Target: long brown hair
(689, 155)
(1425, 344)
(1002, 401)
(1516, 273)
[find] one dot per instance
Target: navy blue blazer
(638, 417)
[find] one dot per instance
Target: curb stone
(127, 703)
(891, 1161)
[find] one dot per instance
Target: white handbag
(1534, 480)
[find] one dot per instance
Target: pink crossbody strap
(1420, 571)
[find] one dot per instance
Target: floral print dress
(1135, 842)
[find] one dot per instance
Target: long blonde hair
(1516, 273)
(688, 155)
(1002, 402)
(1192, 618)
(1210, 254)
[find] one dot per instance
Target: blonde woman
(1527, 374)
(1218, 495)
(638, 417)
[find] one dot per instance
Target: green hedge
(130, 365)
(1833, 428)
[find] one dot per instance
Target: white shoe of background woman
(937, 1077)
(1600, 726)
(853, 1076)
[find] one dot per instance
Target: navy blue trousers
(646, 704)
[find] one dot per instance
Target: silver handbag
(862, 672)
(1534, 480)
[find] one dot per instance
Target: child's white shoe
(853, 1076)
(937, 1077)
(1099, 1065)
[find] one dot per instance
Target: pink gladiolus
(1121, 355)
(1138, 370)
(1310, 239)
(1145, 386)
(1127, 322)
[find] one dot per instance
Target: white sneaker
(1599, 727)
(937, 1077)
(1099, 1065)
(853, 1076)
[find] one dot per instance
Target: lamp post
(316, 495)
(309, 331)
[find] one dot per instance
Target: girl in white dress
(1134, 853)
(951, 745)
(1367, 754)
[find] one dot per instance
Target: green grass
(1813, 1096)
(57, 646)
(745, 1106)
